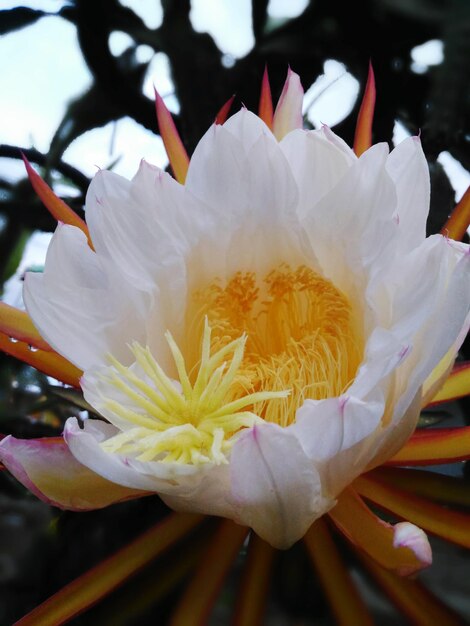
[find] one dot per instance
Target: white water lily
(261, 335)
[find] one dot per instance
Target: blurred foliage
(46, 548)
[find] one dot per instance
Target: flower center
(253, 351)
(301, 336)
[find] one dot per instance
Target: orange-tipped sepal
(434, 446)
(222, 115)
(174, 147)
(50, 363)
(459, 220)
(457, 385)
(56, 207)
(266, 110)
(442, 521)
(18, 325)
(402, 548)
(363, 136)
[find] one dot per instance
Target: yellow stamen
(197, 425)
(301, 335)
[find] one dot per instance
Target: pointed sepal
(56, 207)
(363, 136)
(266, 110)
(174, 147)
(222, 115)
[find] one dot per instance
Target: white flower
(259, 336)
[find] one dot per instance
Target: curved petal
(338, 435)
(79, 305)
(201, 489)
(409, 170)
(210, 496)
(215, 168)
(384, 351)
(151, 476)
(48, 469)
(247, 128)
(275, 486)
(288, 113)
(317, 163)
(443, 325)
(137, 224)
(326, 427)
(358, 209)
(270, 186)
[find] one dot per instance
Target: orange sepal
(365, 118)
(56, 207)
(86, 590)
(433, 485)
(418, 604)
(266, 110)
(254, 587)
(434, 446)
(345, 602)
(174, 147)
(459, 220)
(49, 363)
(201, 593)
(457, 385)
(372, 535)
(222, 115)
(18, 324)
(451, 525)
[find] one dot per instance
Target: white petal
(414, 285)
(215, 168)
(203, 489)
(73, 304)
(275, 486)
(247, 128)
(326, 427)
(352, 228)
(409, 171)
(48, 469)
(384, 351)
(339, 143)
(317, 165)
(288, 113)
(393, 436)
(150, 476)
(210, 496)
(443, 325)
(127, 222)
(338, 436)
(441, 371)
(271, 188)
